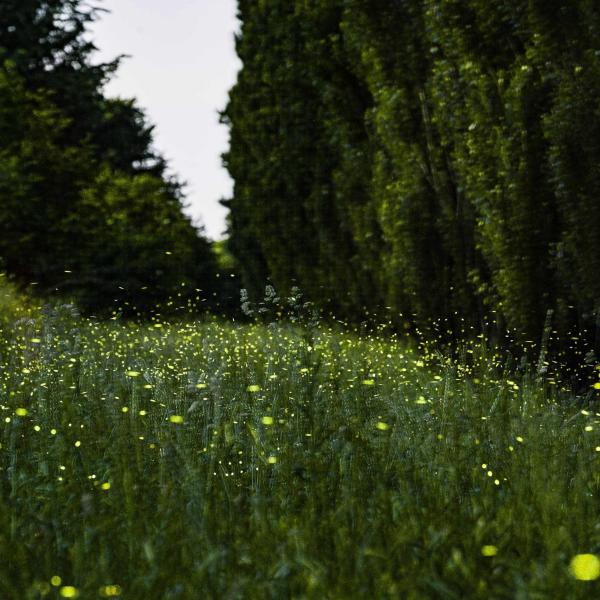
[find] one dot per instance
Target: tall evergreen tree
(86, 205)
(437, 157)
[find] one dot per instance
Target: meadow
(219, 460)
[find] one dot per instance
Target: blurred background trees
(86, 205)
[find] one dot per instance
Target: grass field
(206, 460)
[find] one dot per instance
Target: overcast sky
(182, 65)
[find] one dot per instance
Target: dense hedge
(437, 157)
(88, 209)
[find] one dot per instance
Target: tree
(439, 158)
(86, 205)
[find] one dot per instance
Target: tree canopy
(86, 204)
(437, 159)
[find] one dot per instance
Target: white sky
(182, 65)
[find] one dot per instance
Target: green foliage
(293, 154)
(439, 158)
(133, 244)
(210, 460)
(86, 206)
(40, 181)
(13, 305)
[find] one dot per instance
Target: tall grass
(209, 460)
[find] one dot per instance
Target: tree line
(438, 159)
(87, 206)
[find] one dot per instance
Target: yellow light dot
(133, 373)
(55, 580)
(382, 426)
(489, 550)
(589, 428)
(36, 428)
(35, 340)
(253, 388)
(519, 439)
(21, 412)
(272, 460)
(267, 420)
(585, 567)
(597, 385)
(110, 591)
(177, 419)
(77, 444)
(142, 413)
(124, 409)
(53, 432)
(201, 386)
(105, 486)
(368, 382)
(68, 591)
